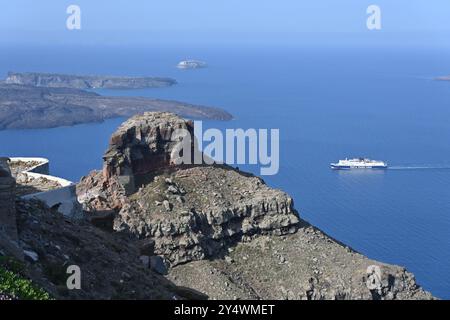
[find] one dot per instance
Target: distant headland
(443, 78)
(53, 80)
(46, 100)
(31, 107)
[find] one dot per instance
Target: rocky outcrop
(53, 80)
(8, 228)
(26, 107)
(191, 213)
(224, 232)
(196, 213)
(143, 144)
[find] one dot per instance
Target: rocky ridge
(224, 232)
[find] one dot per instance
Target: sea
(328, 103)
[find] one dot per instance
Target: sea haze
(328, 104)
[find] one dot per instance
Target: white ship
(359, 163)
(191, 64)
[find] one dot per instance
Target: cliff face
(224, 232)
(8, 229)
(192, 215)
(142, 145)
(52, 80)
(7, 200)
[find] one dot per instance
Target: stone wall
(63, 197)
(8, 226)
(32, 165)
(7, 200)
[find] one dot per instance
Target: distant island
(53, 80)
(27, 107)
(443, 78)
(191, 64)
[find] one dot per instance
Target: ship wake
(420, 167)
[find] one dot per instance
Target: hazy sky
(116, 21)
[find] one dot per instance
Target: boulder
(157, 264)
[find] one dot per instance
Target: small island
(443, 78)
(53, 80)
(191, 64)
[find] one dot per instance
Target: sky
(172, 21)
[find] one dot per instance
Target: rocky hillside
(38, 244)
(25, 107)
(110, 264)
(223, 232)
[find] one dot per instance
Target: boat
(191, 64)
(358, 163)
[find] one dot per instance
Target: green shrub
(11, 264)
(21, 288)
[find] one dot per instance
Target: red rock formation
(142, 145)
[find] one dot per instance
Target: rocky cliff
(7, 200)
(53, 80)
(8, 229)
(143, 144)
(224, 232)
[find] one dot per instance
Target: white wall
(65, 196)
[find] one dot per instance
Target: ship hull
(336, 167)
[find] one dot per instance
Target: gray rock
(147, 247)
(173, 189)
(167, 205)
(145, 261)
(157, 264)
(229, 260)
(31, 255)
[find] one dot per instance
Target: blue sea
(328, 102)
